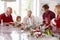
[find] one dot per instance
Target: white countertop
(7, 31)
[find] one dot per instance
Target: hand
(19, 25)
(58, 29)
(12, 23)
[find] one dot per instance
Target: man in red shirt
(7, 17)
(47, 15)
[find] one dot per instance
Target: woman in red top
(57, 20)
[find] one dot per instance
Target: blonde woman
(57, 19)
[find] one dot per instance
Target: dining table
(14, 33)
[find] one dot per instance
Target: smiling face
(29, 13)
(9, 11)
(18, 18)
(45, 7)
(57, 9)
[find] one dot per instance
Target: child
(18, 21)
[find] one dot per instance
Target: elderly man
(29, 20)
(7, 17)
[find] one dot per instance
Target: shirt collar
(6, 15)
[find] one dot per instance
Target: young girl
(57, 19)
(18, 21)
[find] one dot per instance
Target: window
(25, 5)
(20, 7)
(32, 5)
(1, 6)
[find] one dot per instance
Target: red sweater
(6, 19)
(57, 22)
(48, 16)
